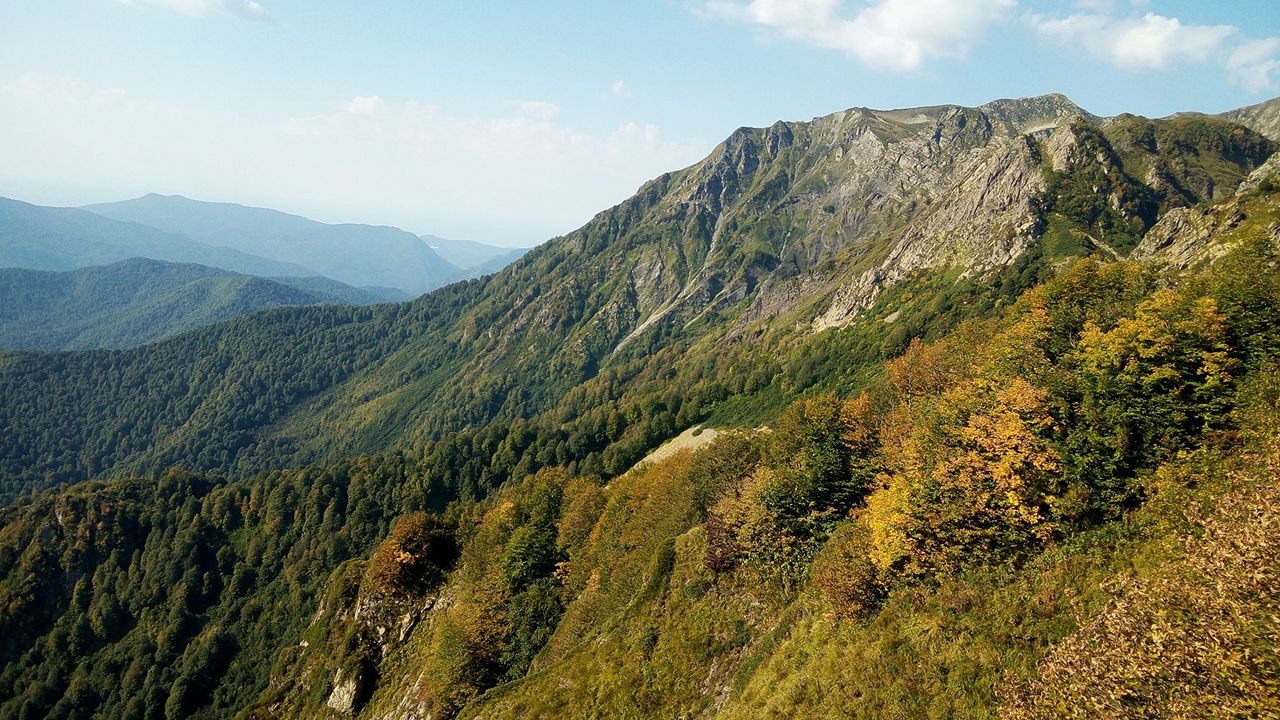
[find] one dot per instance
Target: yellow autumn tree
(971, 477)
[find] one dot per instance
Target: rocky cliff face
(846, 205)
(1262, 118)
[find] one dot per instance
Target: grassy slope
(691, 645)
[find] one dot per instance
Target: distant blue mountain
(359, 255)
(47, 238)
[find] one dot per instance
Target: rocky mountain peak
(1039, 112)
(849, 204)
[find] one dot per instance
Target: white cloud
(203, 8)
(1255, 65)
(58, 93)
(1108, 7)
(895, 34)
(525, 165)
(365, 105)
(619, 89)
(1149, 43)
(537, 109)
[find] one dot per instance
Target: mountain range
(475, 258)
(46, 238)
(357, 255)
(780, 232)
(972, 413)
(293, 261)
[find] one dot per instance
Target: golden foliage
(968, 477)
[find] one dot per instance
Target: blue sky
(511, 122)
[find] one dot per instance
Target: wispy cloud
(65, 92)
(409, 153)
(1255, 65)
(203, 8)
(520, 172)
(898, 35)
(536, 109)
(1155, 43)
(531, 131)
(1148, 43)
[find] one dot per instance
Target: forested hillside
(598, 345)
(1083, 478)
(137, 301)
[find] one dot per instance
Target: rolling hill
(137, 301)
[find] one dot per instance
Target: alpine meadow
(940, 412)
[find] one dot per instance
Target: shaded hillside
(878, 226)
(45, 238)
(137, 301)
(357, 255)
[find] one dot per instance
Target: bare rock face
(1185, 237)
(368, 612)
(1268, 172)
(343, 697)
(985, 219)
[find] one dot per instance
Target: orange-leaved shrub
(414, 556)
(844, 573)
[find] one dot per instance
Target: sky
(512, 122)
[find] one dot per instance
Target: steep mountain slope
(994, 552)
(139, 300)
(876, 225)
(45, 238)
(354, 254)
(1262, 118)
